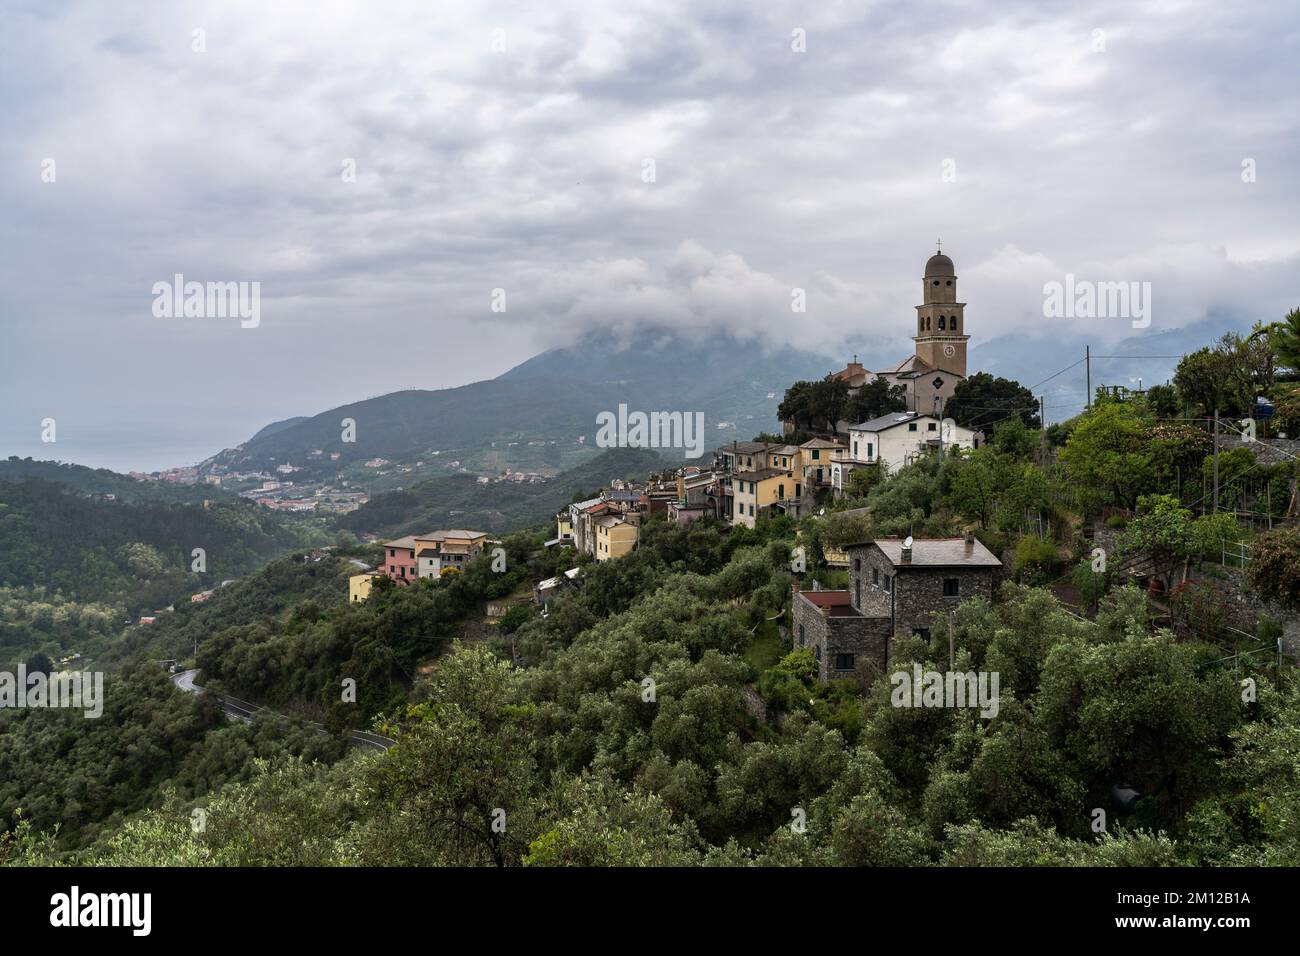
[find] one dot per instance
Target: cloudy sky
(609, 166)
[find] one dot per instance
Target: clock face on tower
(949, 351)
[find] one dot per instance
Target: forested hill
(101, 481)
(553, 397)
(135, 553)
(460, 501)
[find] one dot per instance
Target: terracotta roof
(837, 603)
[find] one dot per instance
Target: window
(889, 583)
(870, 447)
(936, 281)
(951, 587)
(844, 662)
(911, 426)
(392, 569)
(875, 577)
(922, 632)
(941, 323)
(817, 652)
(857, 565)
(857, 593)
(855, 448)
(950, 282)
(796, 489)
(751, 511)
(392, 552)
(816, 454)
(801, 635)
(931, 427)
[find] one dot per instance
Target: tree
(1163, 531)
(1285, 339)
(1164, 401)
(1215, 379)
(796, 405)
(874, 399)
(1108, 455)
(829, 396)
(983, 400)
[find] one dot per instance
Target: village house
(897, 440)
(896, 587)
(448, 549)
(817, 455)
(426, 555)
(615, 536)
(760, 477)
(359, 585)
(586, 519)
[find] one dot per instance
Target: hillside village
(695, 648)
(870, 591)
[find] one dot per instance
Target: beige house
(615, 536)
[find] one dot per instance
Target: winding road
(236, 709)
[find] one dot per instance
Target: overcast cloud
(523, 169)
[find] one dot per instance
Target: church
(932, 372)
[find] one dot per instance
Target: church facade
(930, 374)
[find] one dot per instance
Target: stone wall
(866, 638)
(910, 596)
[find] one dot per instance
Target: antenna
(908, 542)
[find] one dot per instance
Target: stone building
(910, 580)
(896, 587)
(844, 642)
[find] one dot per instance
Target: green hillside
(460, 501)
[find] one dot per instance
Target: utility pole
(1216, 461)
(1087, 359)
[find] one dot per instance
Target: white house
(898, 439)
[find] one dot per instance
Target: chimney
(907, 555)
(970, 542)
(794, 585)
(825, 609)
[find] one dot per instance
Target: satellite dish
(908, 542)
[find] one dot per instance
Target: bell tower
(940, 319)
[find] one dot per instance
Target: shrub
(1274, 568)
(1035, 559)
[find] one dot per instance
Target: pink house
(399, 560)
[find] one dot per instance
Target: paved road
(237, 709)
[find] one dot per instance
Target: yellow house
(563, 525)
(359, 585)
(777, 488)
(615, 537)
